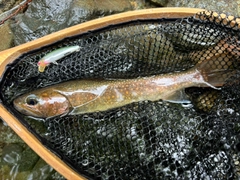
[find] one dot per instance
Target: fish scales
(92, 96)
(87, 96)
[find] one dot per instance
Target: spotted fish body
(87, 96)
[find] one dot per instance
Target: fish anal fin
(178, 97)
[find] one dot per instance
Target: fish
(55, 55)
(97, 95)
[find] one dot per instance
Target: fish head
(42, 104)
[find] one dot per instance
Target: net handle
(10, 55)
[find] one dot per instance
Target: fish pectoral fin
(178, 97)
(80, 110)
(67, 113)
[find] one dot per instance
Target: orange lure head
(42, 65)
(42, 104)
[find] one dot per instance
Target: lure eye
(31, 100)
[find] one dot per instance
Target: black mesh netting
(144, 140)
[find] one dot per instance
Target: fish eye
(31, 100)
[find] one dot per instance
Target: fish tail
(214, 73)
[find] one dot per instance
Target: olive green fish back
(144, 140)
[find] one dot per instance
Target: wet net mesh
(143, 140)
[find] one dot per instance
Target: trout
(87, 96)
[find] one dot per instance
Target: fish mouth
(20, 107)
(17, 105)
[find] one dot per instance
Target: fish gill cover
(143, 140)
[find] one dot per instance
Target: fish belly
(119, 93)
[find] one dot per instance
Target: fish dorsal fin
(178, 97)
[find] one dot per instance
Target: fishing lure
(55, 55)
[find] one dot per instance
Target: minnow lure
(87, 96)
(55, 55)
